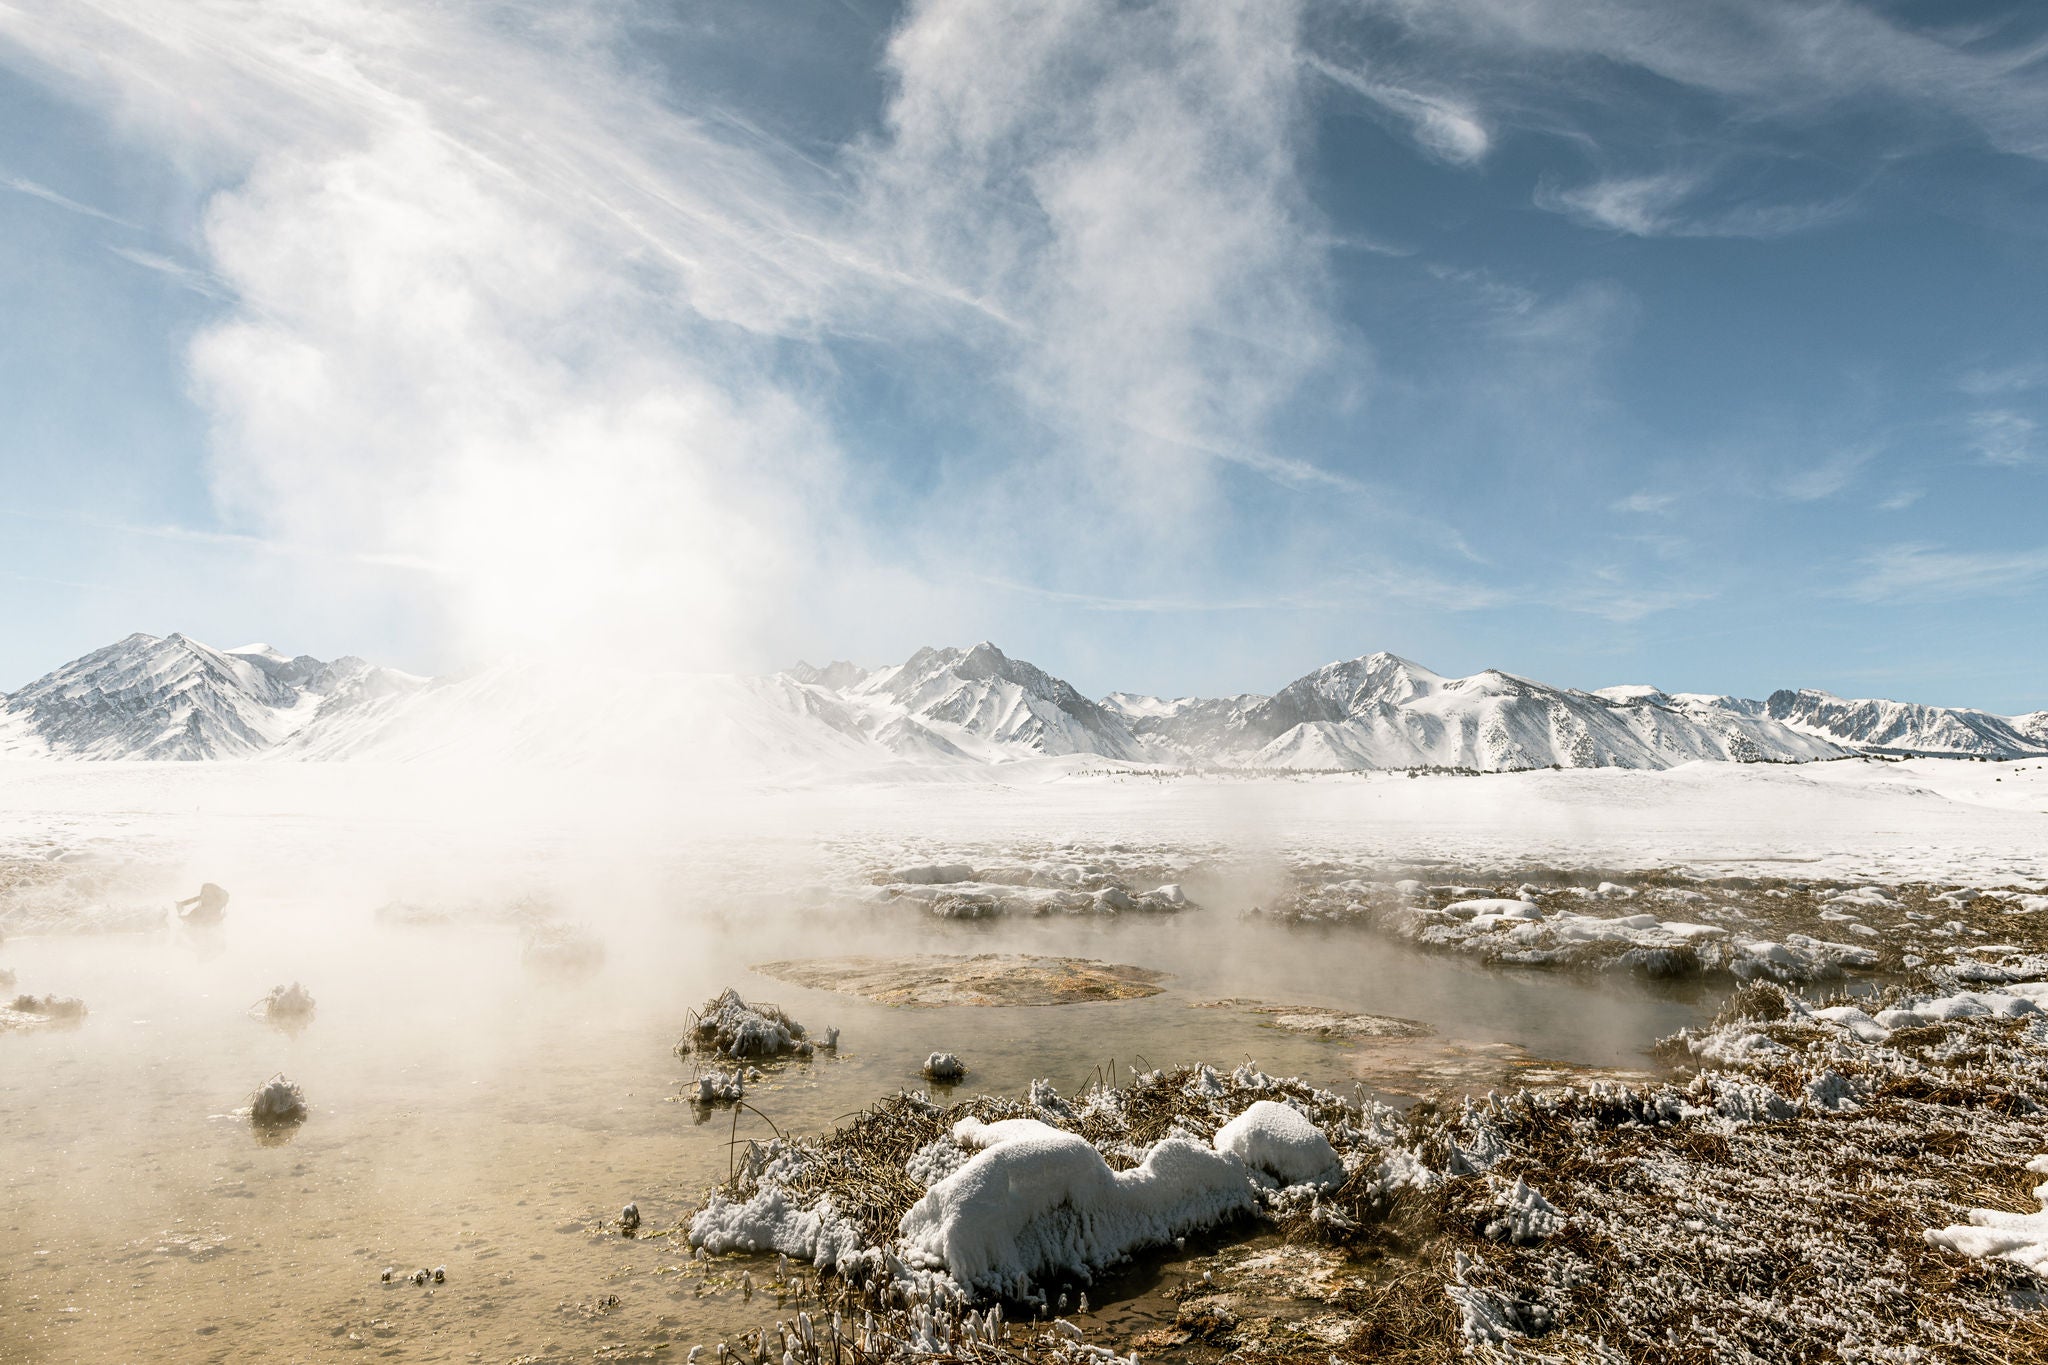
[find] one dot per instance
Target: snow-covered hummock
(1036, 1201)
(944, 1067)
(2017, 1237)
(1280, 1141)
(1487, 911)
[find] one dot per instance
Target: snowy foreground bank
(1845, 1180)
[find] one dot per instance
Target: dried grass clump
(1759, 1002)
(851, 1325)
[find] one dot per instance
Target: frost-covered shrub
(723, 1087)
(277, 1102)
(287, 1004)
(945, 1068)
(729, 1027)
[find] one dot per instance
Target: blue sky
(1176, 348)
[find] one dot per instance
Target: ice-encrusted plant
(729, 1027)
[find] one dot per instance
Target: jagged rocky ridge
(174, 698)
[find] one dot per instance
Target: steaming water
(468, 1111)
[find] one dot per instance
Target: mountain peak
(836, 676)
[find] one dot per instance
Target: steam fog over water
(471, 1109)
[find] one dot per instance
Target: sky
(1178, 348)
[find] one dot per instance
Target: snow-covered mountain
(1190, 729)
(981, 703)
(1383, 711)
(558, 716)
(1908, 727)
(174, 698)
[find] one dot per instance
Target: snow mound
(1276, 1139)
(774, 1221)
(2018, 1237)
(1035, 1200)
(931, 874)
(945, 1068)
(1494, 908)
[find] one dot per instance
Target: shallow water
(469, 1112)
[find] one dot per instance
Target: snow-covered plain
(1936, 820)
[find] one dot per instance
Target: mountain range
(173, 698)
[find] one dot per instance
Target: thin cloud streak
(1924, 573)
(50, 196)
(195, 535)
(1666, 204)
(1446, 128)
(196, 281)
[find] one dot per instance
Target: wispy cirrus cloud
(1926, 573)
(1999, 380)
(2002, 436)
(1677, 203)
(495, 300)
(184, 276)
(1446, 127)
(1830, 476)
(1689, 101)
(35, 190)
